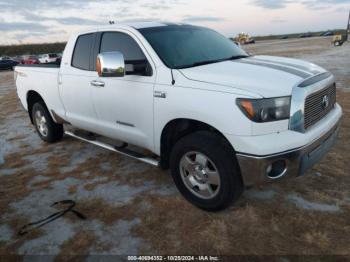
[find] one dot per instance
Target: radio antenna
(348, 29)
(172, 77)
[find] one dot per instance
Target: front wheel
(205, 171)
(48, 130)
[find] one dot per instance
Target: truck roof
(140, 25)
(127, 26)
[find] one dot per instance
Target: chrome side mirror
(110, 64)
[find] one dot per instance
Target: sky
(38, 21)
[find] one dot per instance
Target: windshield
(183, 46)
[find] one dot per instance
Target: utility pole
(348, 29)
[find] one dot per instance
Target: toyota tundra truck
(191, 100)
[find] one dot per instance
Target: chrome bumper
(254, 169)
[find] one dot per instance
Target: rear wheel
(48, 130)
(205, 171)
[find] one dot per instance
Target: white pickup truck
(221, 119)
(48, 58)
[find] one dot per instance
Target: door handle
(97, 83)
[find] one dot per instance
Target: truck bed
(42, 79)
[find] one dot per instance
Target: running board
(120, 150)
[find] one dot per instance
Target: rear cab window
(82, 51)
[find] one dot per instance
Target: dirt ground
(132, 208)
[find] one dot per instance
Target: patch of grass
(10, 249)
(317, 238)
(97, 209)
(77, 245)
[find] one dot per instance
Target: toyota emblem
(325, 102)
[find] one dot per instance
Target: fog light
(276, 169)
(268, 169)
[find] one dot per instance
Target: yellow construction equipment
(338, 40)
(244, 39)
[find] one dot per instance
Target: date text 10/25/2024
(173, 258)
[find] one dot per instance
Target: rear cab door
(74, 81)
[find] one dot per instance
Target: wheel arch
(32, 98)
(176, 129)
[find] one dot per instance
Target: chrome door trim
(125, 124)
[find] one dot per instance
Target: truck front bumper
(256, 169)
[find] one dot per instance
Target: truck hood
(266, 76)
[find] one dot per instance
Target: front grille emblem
(325, 102)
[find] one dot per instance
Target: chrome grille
(315, 105)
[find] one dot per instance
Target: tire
(48, 130)
(208, 192)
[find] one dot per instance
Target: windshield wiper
(235, 57)
(197, 64)
(207, 62)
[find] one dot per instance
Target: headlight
(266, 109)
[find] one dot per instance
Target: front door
(124, 105)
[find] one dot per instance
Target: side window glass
(82, 50)
(114, 41)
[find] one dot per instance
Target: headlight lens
(266, 109)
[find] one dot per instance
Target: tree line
(31, 49)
